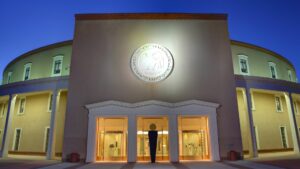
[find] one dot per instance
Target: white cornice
(151, 102)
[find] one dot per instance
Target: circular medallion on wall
(152, 62)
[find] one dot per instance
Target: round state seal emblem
(152, 62)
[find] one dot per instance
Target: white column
(91, 140)
(173, 138)
(7, 128)
(213, 132)
(293, 122)
(132, 139)
(252, 143)
(51, 141)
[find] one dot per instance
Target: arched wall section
(42, 63)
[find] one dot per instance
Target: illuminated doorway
(111, 137)
(162, 149)
(193, 138)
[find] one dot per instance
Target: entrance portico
(170, 111)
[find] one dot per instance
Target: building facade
(98, 94)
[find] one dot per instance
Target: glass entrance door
(111, 139)
(143, 149)
(193, 138)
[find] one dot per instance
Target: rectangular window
(273, 70)
(290, 75)
(22, 106)
(50, 102)
(8, 77)
(283, 135)
(47, 132)
(244, 66)
(27, 70)
(17, 139)
(278, 104)
(57, 65)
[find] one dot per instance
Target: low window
(278, 104)
(47, 132)
(57, 65)
(8, 77)
(283, 135)
(17, 139)
(27, 71)
(22, 106)
(244, 66)
(273, 70)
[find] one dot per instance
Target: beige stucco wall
(296, 100)
(259, 63)
(42, 63)
(3, 108)
(33, 123)
(266, 119)
(203, 70)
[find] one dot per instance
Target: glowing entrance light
(152, 62)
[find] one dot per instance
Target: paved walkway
(186, 165)
(9, 163)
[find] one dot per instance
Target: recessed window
(50, 102)
(17, 139)
(290, 75)
(27, 71)
(278, 104)
(273, 70)
(283, 136)
(46, 138)
(244, 66)
(57, 65)
(9, 74)
(22, 106)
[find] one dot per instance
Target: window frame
(18, 112)
(14, 140)
(27, 65)
(57, 58)
(50, 100)
(286, 136)
(244, 57)
(280, 102)
(45, 138)
(9, 75)
(272, 64)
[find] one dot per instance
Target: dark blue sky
(29, 24)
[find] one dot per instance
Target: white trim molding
(244, 57)
(57, 58)
(152, 108)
